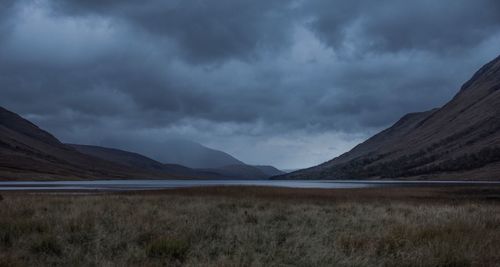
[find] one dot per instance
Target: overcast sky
(287, 83)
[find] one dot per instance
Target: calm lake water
(125, 185)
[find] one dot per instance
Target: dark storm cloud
(7, 7)
(392, 26)
(270, 81)
(204, 30)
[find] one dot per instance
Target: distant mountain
(28, 152)
(460, 140)
(201, 174)
(269, 170)
(140, 162)
(290, 170)
(199, 157)
(187, 153)
(193, 155)
(239, 171)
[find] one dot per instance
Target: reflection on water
(121, 185)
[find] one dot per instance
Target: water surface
(125, 185)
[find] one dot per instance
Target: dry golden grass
(253, 227)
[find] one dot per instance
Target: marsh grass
(240, 227)
(47, 245)
(171, 248)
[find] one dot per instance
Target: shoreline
(411, 194)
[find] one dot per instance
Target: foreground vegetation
(253, 227)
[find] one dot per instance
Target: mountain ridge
(460, 140)
(188, 153)
(141, 162)
(28, 152)
(137, 161)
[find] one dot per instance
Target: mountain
(239, 171)
(30, 153)
(140, 162)
(460, 140)
(126, 158)
(191, 154)
(290, 170)
(269, 170)
(198, 157)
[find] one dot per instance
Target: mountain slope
(268, 170)
(189, 154)
(460, 140)
(239, 171)
(28, 152)
(197, 156)
(140, 162)
(193, 155)
(130, 159)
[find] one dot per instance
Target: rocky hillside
(460, 140)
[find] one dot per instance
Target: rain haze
(285, 83)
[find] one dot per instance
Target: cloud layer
(289, 83)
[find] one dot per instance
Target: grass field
(253, 227)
